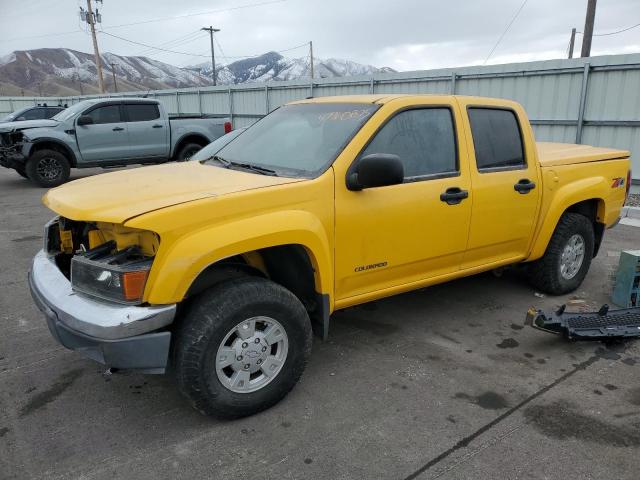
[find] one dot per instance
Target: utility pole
(113, 72)
(211, 31)
(572, 42)
(91, 19)
(311, 57)
(39, 89)
(588, 28)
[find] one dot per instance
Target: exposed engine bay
(101, 259)
(11, 144)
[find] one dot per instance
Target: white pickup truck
(103, 133)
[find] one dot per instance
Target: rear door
(505, 181)
(106, 138)
(148, 131)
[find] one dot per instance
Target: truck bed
(554, 154)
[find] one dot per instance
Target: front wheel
(241, 347)
(568, 256)
(48, 168)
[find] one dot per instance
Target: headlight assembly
(116, 278)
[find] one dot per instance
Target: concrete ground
(445, 382)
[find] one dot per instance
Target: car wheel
(241, 347)
(188, 151)
(567, 258)
(48, 168)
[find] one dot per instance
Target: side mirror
(375, 170)
(84, 120)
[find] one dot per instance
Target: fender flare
(176, 268)
(39, 141)
(592, 188)
(176, 146)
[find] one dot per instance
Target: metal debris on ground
(600, 325)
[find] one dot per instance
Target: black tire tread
(194, 334)
(544, 274)
(32, 165)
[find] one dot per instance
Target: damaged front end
(103, 260)
(11, 147)
(89, 283)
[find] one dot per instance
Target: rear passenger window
(142, 112)
(496, 139)
(106, 114)
(424, 139)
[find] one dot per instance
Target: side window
(53, 111)
(106, 114)
(142, 112)
(424, 139)
(34, 114)
(496, 138)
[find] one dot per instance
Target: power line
(162, 19)
(192, 37)
(222, 10)
(152, 47)
(613, 33)
(505, 32)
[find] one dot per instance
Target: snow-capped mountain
(273, 66)
(62, 71)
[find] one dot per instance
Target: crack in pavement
(464, 442)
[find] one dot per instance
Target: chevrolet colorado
(102, 133)
(222, 268)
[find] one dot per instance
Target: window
(496, 139)
(106, 114)
(33, 114)
(142, 112)
(424, 139)
(51, 111)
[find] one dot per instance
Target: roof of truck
(382, 98)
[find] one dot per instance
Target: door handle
(157, 126)
(524, 186)
(117, 129)
(453, 195)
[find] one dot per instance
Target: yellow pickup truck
(222, 268)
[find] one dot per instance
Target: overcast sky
(402, 34)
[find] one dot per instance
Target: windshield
(70, 112)
(215, 146)
(299, 140)
(12, 116)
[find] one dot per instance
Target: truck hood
(119, 196)
(15, 126)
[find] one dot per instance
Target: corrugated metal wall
(594, 101)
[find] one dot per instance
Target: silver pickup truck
(103, 133)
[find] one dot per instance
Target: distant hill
(273, 66)
(62, 71)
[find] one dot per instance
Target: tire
(187, 151)
(202, 339)
(48, 168)
(556, 275)
(21, 171)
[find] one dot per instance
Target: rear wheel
(241, 347)
(567, 258)
(48, 168)
(187, 151)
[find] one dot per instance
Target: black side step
(598, 325)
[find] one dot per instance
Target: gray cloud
(405, 34)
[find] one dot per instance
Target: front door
(396, 235)
(506, 184)
(106, 138)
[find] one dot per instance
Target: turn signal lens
(133, 284)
